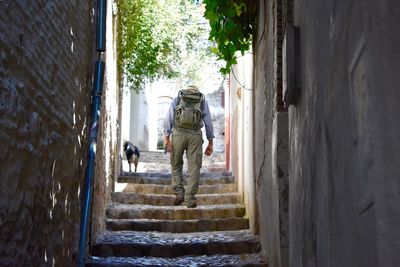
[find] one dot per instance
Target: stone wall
(46, 66)
(271, 136)
(344, 145)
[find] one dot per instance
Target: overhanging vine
(232, 28)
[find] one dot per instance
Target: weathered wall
(242, 119)
(236, 131)
(271, 138)
(46, 63)
(344, 145)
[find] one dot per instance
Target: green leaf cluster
(232, 28)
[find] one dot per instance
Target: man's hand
(209, 149)
(167, 144)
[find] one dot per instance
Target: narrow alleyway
(308, 119)
(145, 229)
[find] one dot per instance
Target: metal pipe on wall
(95, 117)
(89, 175)
(101, 25)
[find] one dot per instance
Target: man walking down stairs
(144, 228)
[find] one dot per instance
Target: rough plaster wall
(235, 122)
(46, 62)
(384, 143)
(243, 74)
(344, 136)
(108, 143)
(265, 135)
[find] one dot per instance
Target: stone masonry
(46, 63)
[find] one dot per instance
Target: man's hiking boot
(190, 201)
(191, 205)
(179, 200)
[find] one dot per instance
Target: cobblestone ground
(145, 229)
(192, 261)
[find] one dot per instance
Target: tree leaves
(151, 37)
(164, 39)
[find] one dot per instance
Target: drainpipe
(94, 122)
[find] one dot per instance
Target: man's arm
(209, 128)
(167, 144)
(168, 124)
(209, 149)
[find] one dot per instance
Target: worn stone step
(168, 200)
(153, 161)
(158, 156)
(214, 174)
(134, 211)
(241, 260)
(166, 167)
(156, 244)
(167, 189)
(178, 226)
(159, 178)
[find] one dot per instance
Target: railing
(94, 122)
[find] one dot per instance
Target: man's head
(193, 89)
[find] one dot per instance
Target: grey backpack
(188, 110)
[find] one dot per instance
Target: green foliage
(144, 50)
(156, 38)
(232, 29)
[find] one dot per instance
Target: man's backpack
(188, 110)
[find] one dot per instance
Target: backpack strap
(180, 93)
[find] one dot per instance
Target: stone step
(167, 181)
(168, 200)
(159, 178)
(166, 167)
(158, 156)
(241, 260)
(167, 189)
(156, 244)
(153, 161)
(132, 211)
(177, 226)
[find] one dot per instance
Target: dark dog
(132, 154)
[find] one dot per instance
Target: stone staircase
(145, 229)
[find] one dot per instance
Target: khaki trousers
(191, 142)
